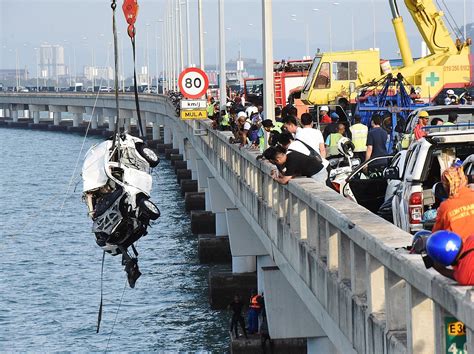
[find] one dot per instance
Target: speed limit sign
(193, 83)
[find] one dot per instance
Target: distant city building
(51, 61)
(13, 74)
(98, 72)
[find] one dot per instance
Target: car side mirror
(391, 173)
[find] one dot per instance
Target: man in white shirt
(309, 135)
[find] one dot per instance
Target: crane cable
(116, 139)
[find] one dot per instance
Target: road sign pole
(201, 36)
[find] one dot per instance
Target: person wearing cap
(451, 98)
(323, 115)
(268, 126)
(210, 108)
(332, 127)
(423, 118)
(452, 118)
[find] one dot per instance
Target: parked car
(465, 113)
(425, 160)
(368, 185)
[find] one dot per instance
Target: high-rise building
(52, 61)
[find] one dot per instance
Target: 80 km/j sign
(193, 82)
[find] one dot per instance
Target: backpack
(312, 153)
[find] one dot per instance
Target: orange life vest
(254, 304)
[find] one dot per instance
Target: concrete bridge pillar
(126, 116)
(57, 110)
(77, 112)
(150, 119)
(36, 111)
(168, 135)
(190, 156)
(95, 113)
(110, 113)
(288, 315)
(14, 112)
(36, 117)
(245, 246)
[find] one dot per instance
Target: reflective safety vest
(254, 304)
(225, 120)
(277, 127)
(210, 109)
(359, 137)
(333, 140)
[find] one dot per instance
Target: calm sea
(50, 265)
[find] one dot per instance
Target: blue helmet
(334, 116)
(443, 247)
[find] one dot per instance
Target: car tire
(148, 154)
(148, 208)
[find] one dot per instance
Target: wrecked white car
(117, 186)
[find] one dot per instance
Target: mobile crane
(449, 64)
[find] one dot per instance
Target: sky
(85, 26)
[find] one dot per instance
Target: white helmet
(251, 110)
(450, 92)
(345, 147)
(324, 108)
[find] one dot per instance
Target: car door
(367, 185)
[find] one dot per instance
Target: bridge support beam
(288, 316)
(126, 116)
(167, 136)
(245, 246)
(14, 112)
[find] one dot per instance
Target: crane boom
(431, 26)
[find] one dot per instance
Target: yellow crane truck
(333, 77)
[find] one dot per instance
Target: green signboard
(455, 336)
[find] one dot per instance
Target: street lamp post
(37, 69)
(147, 59)
(201, 36)
(180, 36)
(188, 35)
(268, 87)
(222, 74)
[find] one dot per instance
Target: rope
(99, 316)
(116, 315)
(456, 26)
(116, 139)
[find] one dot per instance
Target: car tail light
(415, 207)
(337, 187)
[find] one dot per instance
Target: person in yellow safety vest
(359, 133)
(210, 108)
(225, 123)
(333, 139)
(270, 127)
(254, 310)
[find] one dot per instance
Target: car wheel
(148, 208)
(149, 155)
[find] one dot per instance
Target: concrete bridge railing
(345, 264)
(342, 260)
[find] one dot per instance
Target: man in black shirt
(293, 164)
(376, 143)
(237, 318)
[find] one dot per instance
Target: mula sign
(194, 114)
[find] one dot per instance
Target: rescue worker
(224, 120)
(447, 249)
(333, 139)
(254, 311)
(451, 98)
(423, 118)
(210, 108)
(273, 128)
(323, 115)
(331, 127)
(237, 318)
(359, 133)
(456, 213)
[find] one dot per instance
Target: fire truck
(287, 75)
